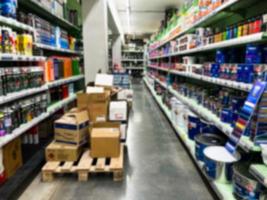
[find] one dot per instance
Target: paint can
(219, 163)
(205, 140)
(193, 126)
(207, 127)
(244, 184)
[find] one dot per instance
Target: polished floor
(156, 165)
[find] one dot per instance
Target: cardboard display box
(105, 143)
(62, 152)
(96, 105)
(118, 111)
(72, 128)
(12, 157)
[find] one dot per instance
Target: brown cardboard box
(105, 143)
(96, 105)
(62, 152)
(98, 111)
(83, 99)
(72, 128)
(12, 157)
(102, 125)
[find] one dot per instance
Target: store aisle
(157, 166)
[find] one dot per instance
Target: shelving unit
(168, 53)
(43, 12)
(204, 113)
(132, 61)
(258, 37)
(217, 14)
(223, 191)
(35, 7)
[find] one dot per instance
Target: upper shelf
(258, 37)
(40, 10)
(201, 22)
(15, 24)
(51, 48)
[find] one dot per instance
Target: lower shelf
(23, 128)
(223, 191)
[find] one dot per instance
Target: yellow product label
(240, 126)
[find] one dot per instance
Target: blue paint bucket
(218, 163)
(245, 185)
(193, 126)
(207, 127)
(205, 140)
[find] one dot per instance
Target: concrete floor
(156, 167)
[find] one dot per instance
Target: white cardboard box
(118, 111)
(104, 80)
(90, 90)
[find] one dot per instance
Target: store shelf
(59, 105)
(259, 171)
(223, 191)
(158, 68)
(132, 60)
(258, 37)
(23, 128)
(42, 11)
(21, 94)
(198, 23)
(218, 81)
(132, 51)
(135, 68)
(5, 57)
(64, 81)
(245, 143)
(15, 24)
(55, 49)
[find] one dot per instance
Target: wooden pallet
(85, 166)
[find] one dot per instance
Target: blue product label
(199, 151)
(210, 168)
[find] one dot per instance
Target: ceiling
(145, 15)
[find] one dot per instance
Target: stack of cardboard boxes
(71, 133)
(108, 118)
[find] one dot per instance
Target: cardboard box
(105, 143)
(72, 128)
(62, 152)
(91, 90)
(104, 80)
(118, 111)
(12, 157)
(96, 105)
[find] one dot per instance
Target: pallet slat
(67, 167)
(100, 164)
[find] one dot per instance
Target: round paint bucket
(205, 140)
(193, 126)
(219, 163)
(244, 184)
